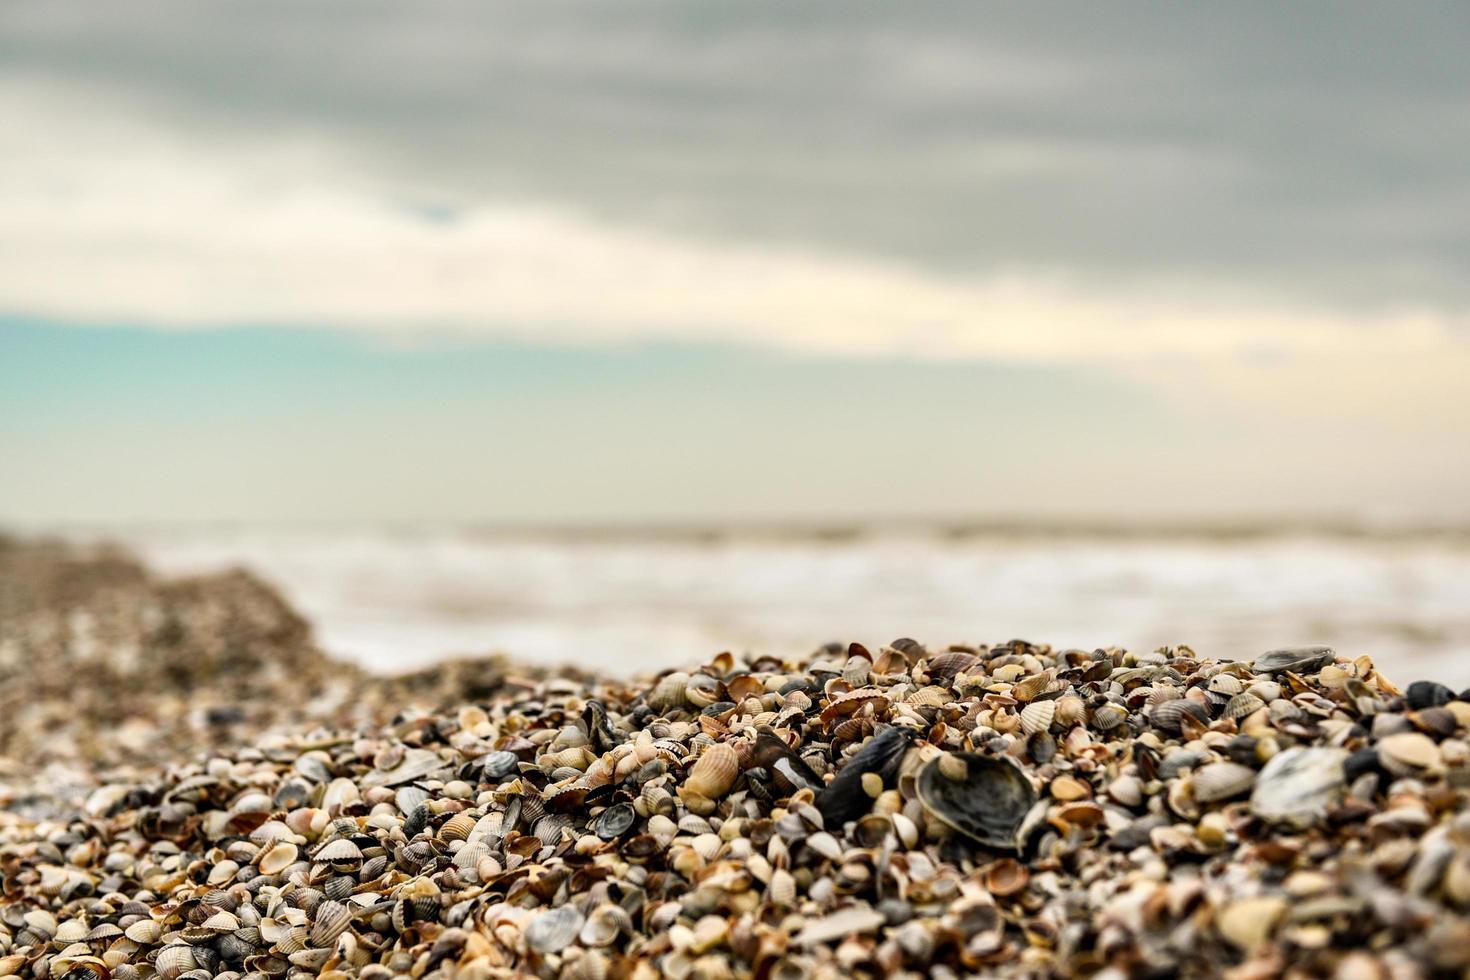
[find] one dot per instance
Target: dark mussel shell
(988, 803)
(615, 821)
(1298, 660)
(844, 798)
(788, 772)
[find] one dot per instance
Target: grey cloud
(1317, 151)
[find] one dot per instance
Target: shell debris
(994, 809)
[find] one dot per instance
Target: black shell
(988, 805)
(1428, 694)
(615, 821)
(844, 798)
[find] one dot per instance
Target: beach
(192, 789)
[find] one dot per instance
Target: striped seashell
(1243, 704)
(468, 856)
(1227, 684)
(332, 919)
(713, 773)
(270, 832)
(458, 827)
(576, 758)
(931, 695)
(340, 853)
(70, 931)
(1170, 715)
(668, 693)
(943, 668)
(604, 925)
(310, 959)
(857, 671)
(221, 921)
(554, 930)
(144, 932)
(296, 939)
(1106, 717)
(1029, 688)
(1037, 716)
(174, 960)
(1071, 710)
(782, 889)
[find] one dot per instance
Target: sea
(628, 601)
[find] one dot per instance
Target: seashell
(408, 798)
(713, 773)
(174, 960)
(943, 668)
(270, 832)
(1427, 694)
(553, 930)
(332, 919)
(845, 798)
(341, 853)
(499, 765)
(276, 858)
(145, 932)
(1107, 717)
(985, 798)
(458, 827)
(1037, 716)
(1226, 684)
(1028, 688)
(615, 821)
(1243, 704)
(668, 693)
(1071, 710)
(1220, 781)
(1299, 785)
(1410, 754)
(604, 925)
(1247, 923)
(221, 921)
(1006, 877)
(1171, 715)
(1298, 660)
(70, 931)
(782, 889)
(310, 959)
(932, 696)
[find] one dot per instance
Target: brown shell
(714, 772)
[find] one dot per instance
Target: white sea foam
(396, 599)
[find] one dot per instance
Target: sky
(639, 261)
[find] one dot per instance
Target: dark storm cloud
(1317, 151)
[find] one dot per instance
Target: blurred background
(617, 334)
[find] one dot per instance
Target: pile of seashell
(1007, 810)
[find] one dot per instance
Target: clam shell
(1410, 754)
(332, 919)
(1243, 704)
(714, 772)
(277, 858)
(554, 930)
(1106, 717)
(615, 821)
(1170, 715)
(458, 827)
(1220, 781)
(174, 960)
(986, 801)
(339, 853)
(845, 798)
(1299, 785)
(604, 925)
(1037, 716)
(1298, 660)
